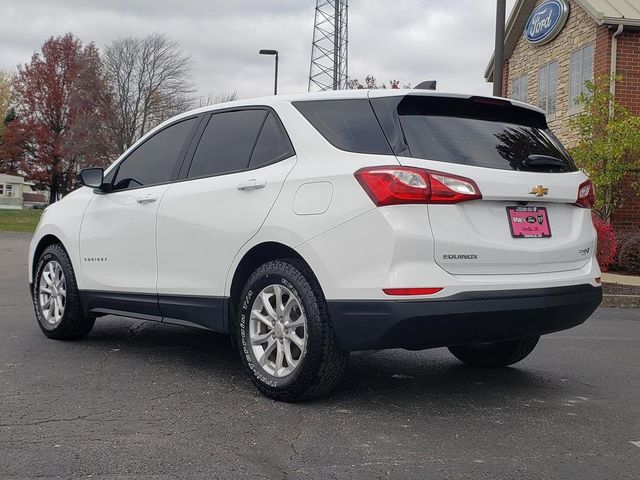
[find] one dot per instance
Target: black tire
(74, 324)
(322, 364)
(495, 355)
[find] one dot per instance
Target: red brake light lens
(586, 195)
(410, 185)
(394, 186)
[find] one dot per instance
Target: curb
(621, 301)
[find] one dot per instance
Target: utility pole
(498, 56)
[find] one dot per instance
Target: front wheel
(56, 298)
(495, 355)
(285, 335)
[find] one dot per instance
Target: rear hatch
(527, 220)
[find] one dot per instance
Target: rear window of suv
(472, 131)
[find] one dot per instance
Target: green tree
(6, 97)
(609, 147)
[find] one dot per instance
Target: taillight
(586, 195)
(447, 188)
(407, 185)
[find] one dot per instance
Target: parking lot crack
(58, 420)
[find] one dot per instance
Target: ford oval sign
(546, 21)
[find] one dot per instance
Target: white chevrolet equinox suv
(313, 225)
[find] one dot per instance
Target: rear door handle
(252, 185)
(146, 199)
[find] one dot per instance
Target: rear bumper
(471, 317)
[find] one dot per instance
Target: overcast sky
(406, 40)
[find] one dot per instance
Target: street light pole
(274, 53)
(498, 56)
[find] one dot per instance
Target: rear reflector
(586, 195)
(409, 185)
(411, 291)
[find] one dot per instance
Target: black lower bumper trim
(466, 318)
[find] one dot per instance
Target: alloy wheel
(277, 330)
(52, 292)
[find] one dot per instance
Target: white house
(16, 194)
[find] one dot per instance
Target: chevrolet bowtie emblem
(539, 191)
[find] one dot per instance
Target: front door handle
(252, 185)
(146, 199)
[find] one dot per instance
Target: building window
(9, 190)
(581, 71)
(548, 88)
(1, 189)
(519, 89)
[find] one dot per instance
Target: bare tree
(149, 82)
(214, 98)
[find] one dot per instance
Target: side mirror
(91, 177)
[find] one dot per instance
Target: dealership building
(553, 46)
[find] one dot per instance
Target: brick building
(553, 46)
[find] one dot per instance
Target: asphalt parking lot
(143, 400)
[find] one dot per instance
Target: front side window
(548, 88)
(227, 143)
(520, 89)
(581, 71)
(155, 160)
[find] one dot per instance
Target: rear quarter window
(349, 125)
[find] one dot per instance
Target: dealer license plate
(529, 222)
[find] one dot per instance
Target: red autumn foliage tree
(62, 112)
(13, 147)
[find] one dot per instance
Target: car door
(117, 236)
(235, 175)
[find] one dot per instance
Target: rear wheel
(56, 299)
(495, 355)
(285, 335)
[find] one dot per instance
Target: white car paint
(113, 257)
(203, 223)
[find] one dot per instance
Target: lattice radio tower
(329, 52)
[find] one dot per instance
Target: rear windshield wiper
(543, 163)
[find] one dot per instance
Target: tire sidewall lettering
(44, 259)
(247, 352)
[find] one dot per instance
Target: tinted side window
(227, 143)
(154, 160)
(273, 144)
(346, 124)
